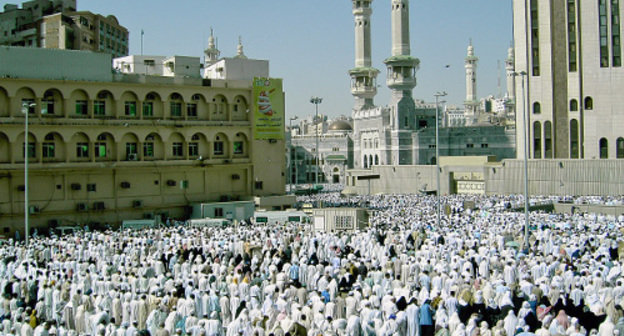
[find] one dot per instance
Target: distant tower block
(401, 66)
(471, 80)
(363, 75)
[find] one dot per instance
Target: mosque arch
(240, 109)
(574, 139)
(219, 108)
(53, 148)
(537, 140)
(603, 146)
(548, 152)
(199, 146)
(220, 145)
(81, 145)
(5, 148)
(52, 103)
(105, 148)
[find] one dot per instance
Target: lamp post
(437, 145)
(290, 155)
(25, 109)
(525, 121)
(316, 101)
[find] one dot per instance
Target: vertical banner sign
(268, 109)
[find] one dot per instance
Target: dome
(340, 125)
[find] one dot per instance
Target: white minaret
(212, 53)
(510, 70)
(363, 75)
(401, 66)
(471, 102)
(239, 49)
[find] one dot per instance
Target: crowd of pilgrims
(469, 275)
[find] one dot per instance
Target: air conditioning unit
(21, 187)
(75, 186)
(133, 157)
(137, 204)
(33, 209)
(125, 185)
(82, 207)
(98, 206)
(235, 177)
(171, 183)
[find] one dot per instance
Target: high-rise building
(569, 79)
(56, 24)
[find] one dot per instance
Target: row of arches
(82, 147)
(126, 104)
(370, 160)
(543, 143)
(603, 148)
(588, 104)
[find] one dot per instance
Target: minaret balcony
(404, 83)
(363, 91)
(402, 61)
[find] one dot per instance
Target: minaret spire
(401, 65)
(239, 49)
(471, 80)
(510, 70)
(363, 75)
(212, 53)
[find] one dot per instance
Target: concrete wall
(34, 63)
(546, 177)
(613, 210)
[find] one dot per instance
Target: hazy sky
(310, 43)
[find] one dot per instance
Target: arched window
(537, 140)
(574, 142)
(573, 105)
(365, 162)
(604, 148)
(376, 160)
(589, 103)
(548, 140)
(537, 108)
(619, 145)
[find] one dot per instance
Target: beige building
(119, 146)
(572, 54)
(56, 24)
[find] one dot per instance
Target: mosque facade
(400, 132)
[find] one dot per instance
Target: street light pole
(437, 145)
(525, 121)
(316, 101)
(290, 154)
(25, 110)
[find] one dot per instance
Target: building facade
(122, 146)
(56, 24)
(401, 133)
(335, 148)
(572, 55)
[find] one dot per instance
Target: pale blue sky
(310, 42)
